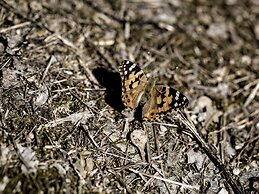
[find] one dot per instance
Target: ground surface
(62, 130)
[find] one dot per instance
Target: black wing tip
(126, 62)
(179, 99)
(186, 103)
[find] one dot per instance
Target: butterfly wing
(162, 99)
(134, 82)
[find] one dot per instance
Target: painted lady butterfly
(160, 99)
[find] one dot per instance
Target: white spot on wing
(132, 67)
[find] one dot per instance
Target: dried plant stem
(185, 119)
(164, 179)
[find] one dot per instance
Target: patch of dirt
(63, 123)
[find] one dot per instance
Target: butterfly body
(159, 99)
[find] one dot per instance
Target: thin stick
(166, 180)
(227, 175)
(21, 25)
(148, 157)
(252, 95)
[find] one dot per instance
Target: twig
(148, 157)
(90, 136)
(161, 172)
(3, 64)
(148, 182)
(156, 139)
(222, 137)
(15, 27)
(16, 12)
(236, 187)
(166, 180)
(252, 95)
(105, 57)
(51, 61)
(158, 25)
(121, 181)
(90, 76)
(118, 19)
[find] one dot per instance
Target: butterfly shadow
(112, 82)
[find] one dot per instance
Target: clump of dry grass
(61, 124)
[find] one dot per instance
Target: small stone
(223, 191)
(217, 30)
(236, 171)
(246, 60)
(36, 6)
(257, 125)
(256, 30)
(139, 139)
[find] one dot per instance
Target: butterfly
(159, 99)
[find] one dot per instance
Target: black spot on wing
(160, 105)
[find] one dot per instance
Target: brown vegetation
(62, 127)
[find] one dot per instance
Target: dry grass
(62, 130)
